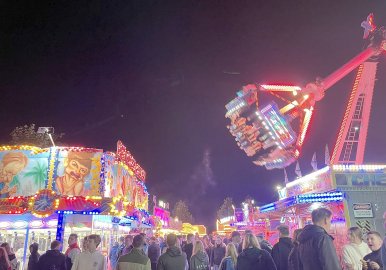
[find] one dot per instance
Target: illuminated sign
(163, 215)
(127, 158)
(227, 219)
(319, 181)
(361, 179)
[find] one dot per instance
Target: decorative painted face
(76, 170)
(12, 164)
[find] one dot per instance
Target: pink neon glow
(306, 123)
(288, 88)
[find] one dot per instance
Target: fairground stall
(354, 193)
(49, 193)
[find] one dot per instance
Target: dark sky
(152, 74)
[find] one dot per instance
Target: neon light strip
(356, 168)
(33, 149)
(335, 158)
(307, 177)
(288, 88)
(306, 123)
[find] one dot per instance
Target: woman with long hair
(4, 262)
(11, 256)
(199, 259)
(34, 257)
(355, 250)
(293, 257)
(230, 260)
(253, 257)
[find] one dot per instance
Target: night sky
(157, 75)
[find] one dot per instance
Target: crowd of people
(310, 248)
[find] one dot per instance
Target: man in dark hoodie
(218, 253)
(173, 258)
(188, 247)
(316, 249)
(153, 252)
(282, 249)
(53, 259)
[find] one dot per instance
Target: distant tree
(226, 209)
(181, 211)
(27, 135)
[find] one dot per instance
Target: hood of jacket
(286, 241)
(174, 251)
(201, 256)
(251, 254)
(311, 231)
(54, 253)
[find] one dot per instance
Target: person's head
(55, 245)
(33, 248)
(93, 241)
(171, 240)
(4, 257)
(153, 240)
(231, 251)
(138, 241)
(250, 241)
(374, 240)
(85, 244)
(354, 235)
(198, 247)
(190, 238)
(7, 247)
(72, 239)
(236, 237)
(260, 237)
(283, 231)
(128, 240)
(296, 235)
(121, 239)
(218, 240)
(322, 217)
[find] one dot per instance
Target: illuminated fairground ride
(273, 136)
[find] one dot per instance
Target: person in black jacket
(281, 249)
(252, 257)
(293, 257)
(34, 257)
(218, 253)
(373, 260)
(316, 249)
(53, 259)
(153, 252)
(173, 258)
(236, 240)
(188, 247)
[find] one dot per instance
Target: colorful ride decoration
(270, 122)
(45, 181)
